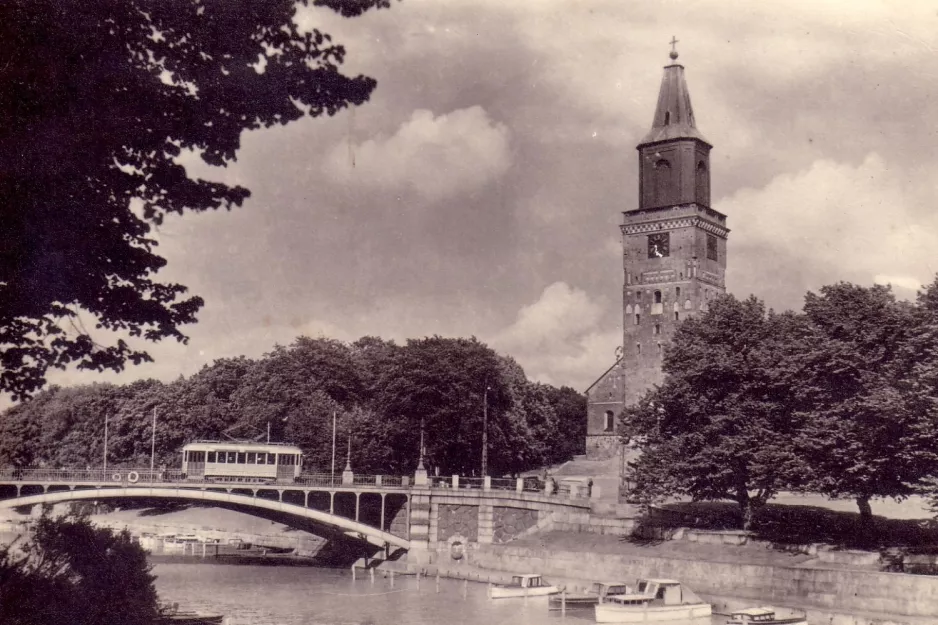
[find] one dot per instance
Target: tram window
(232, 457)
(241, 457)
(221, 457)
(252, 457)
(271, 458)
(211, 456)
(261, 458)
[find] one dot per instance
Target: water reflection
(263, 595)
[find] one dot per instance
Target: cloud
(833, 221)
(903, 282)
(436, 157)
(560, 338)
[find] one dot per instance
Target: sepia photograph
(468, 312)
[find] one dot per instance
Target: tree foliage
(380, 393)
(719, 425)
(863, 432)
(69, 571)
(840, 400)
(98, 101)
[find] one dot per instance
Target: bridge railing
(128, 476)
(117, 475)
(504, 483)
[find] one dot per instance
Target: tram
(241, 461)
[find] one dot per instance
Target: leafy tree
(98, 100)
(720, 425)
(70, 571)
(570, 407)
(868, 430)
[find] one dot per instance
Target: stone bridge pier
(448, 524)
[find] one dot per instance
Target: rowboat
(652, 600)
(528, 585)
(170, 614)
(763, 616)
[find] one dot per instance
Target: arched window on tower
(609, 421)
(667, 118)
(628, 309)
(702, 184)
(656, 307)
(663, 189)
(677, 292)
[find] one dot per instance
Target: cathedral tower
(673, 253)
(674, 243)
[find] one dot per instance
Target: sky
(480, 190)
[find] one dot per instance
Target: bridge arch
(350, 527)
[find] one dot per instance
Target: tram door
(196, 464)
(286, 464)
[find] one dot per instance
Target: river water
(270, 595)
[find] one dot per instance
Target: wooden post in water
(353, 572)
(563, 602)
(392, 579)
(203, 550)
(438, 580)
(371, 574)
(465, 589)
(418, 579)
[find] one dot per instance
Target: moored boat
(528, 585)
(763, 616)
(591, 597)
(170, 614)
(652, 600)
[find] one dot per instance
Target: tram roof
(242, 446)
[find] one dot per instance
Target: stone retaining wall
(836, 591)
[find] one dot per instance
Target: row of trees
(381, 392)
(840, 399)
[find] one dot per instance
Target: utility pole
(105, 445)
(333, 447)
(485, 429)
(268, 432)
(153, 443)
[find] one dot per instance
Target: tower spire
(674, 115)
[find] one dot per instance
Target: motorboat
(528, 585)
(591, 597)
(763, 616)
(170, 614)
(652, 600)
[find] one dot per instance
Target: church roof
(674, 116)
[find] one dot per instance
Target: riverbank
(728, 576)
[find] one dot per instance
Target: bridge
(417, 513)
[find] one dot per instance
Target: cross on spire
(673, 43)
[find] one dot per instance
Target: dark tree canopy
(379, 392)
(720, 425)
(69, 571)
(869, 423)
(97, 99)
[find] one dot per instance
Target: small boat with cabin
(528, 585)
(652, 600)
(591, 597)
(763, 616)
